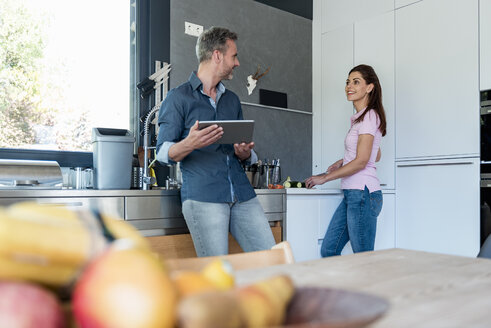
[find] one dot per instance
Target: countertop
(320, 191)
(20, 193)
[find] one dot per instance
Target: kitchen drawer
(272, 203)
(273, 217)
(144, 224)
(158, 207)
(111, 205)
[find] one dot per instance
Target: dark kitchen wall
(303, 8)
(268, 37)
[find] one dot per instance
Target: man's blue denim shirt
(205, 171)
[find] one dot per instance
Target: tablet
(234, 131)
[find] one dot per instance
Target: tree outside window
(64, 69)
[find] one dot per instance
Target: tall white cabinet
(485, 43)
(367, 37)
(402, 3)
(437, 77)
(430, 56)
(374, 45)
(437, 126)
(335, 113)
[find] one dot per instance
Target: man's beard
(228, 76)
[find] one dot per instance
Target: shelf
(277, 108)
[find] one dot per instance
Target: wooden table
(424, 289)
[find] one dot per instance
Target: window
(65, 68)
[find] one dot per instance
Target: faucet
(147, 180)
(154, 82)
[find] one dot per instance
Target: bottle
(277, 172)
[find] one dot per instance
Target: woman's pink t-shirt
(367, 176)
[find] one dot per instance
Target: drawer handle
(61, 204)
(433, 164)
(30, 183)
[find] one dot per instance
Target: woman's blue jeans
(355, 220)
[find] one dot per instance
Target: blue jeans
(209, 224)
(355, 220)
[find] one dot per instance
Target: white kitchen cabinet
(316, 86)
(374, 45)
(437, 76)
(403, 3)
(437, 207)
(335, 111)
(485, 44)
(304, 211)
(310, 211)
(337, 13)
(341, 49)
(386, 223)
(385, 236)
(328, 206)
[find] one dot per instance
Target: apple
(124, 287)
(25, 305)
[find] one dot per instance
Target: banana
(50, 244)
(54, 275)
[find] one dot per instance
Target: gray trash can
(113, 154)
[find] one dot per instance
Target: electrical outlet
(193, 29)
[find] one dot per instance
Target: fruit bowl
(313, 307)
(333, 308)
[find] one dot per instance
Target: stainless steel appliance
(485, 102)
(253, 174)
(263, 174)
(485, 206)
(485, 164)
(486, 125)
(29, 174)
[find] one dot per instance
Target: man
(216, 194)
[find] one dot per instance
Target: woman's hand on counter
(315, 180)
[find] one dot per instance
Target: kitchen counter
(320, 191)
(154, 212)
(9, 193)
(20, 193)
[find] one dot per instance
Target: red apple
(25, 305)
(124, 288)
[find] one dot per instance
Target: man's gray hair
(213, 39)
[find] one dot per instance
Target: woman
(355, 219)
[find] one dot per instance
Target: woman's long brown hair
(374, 97)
